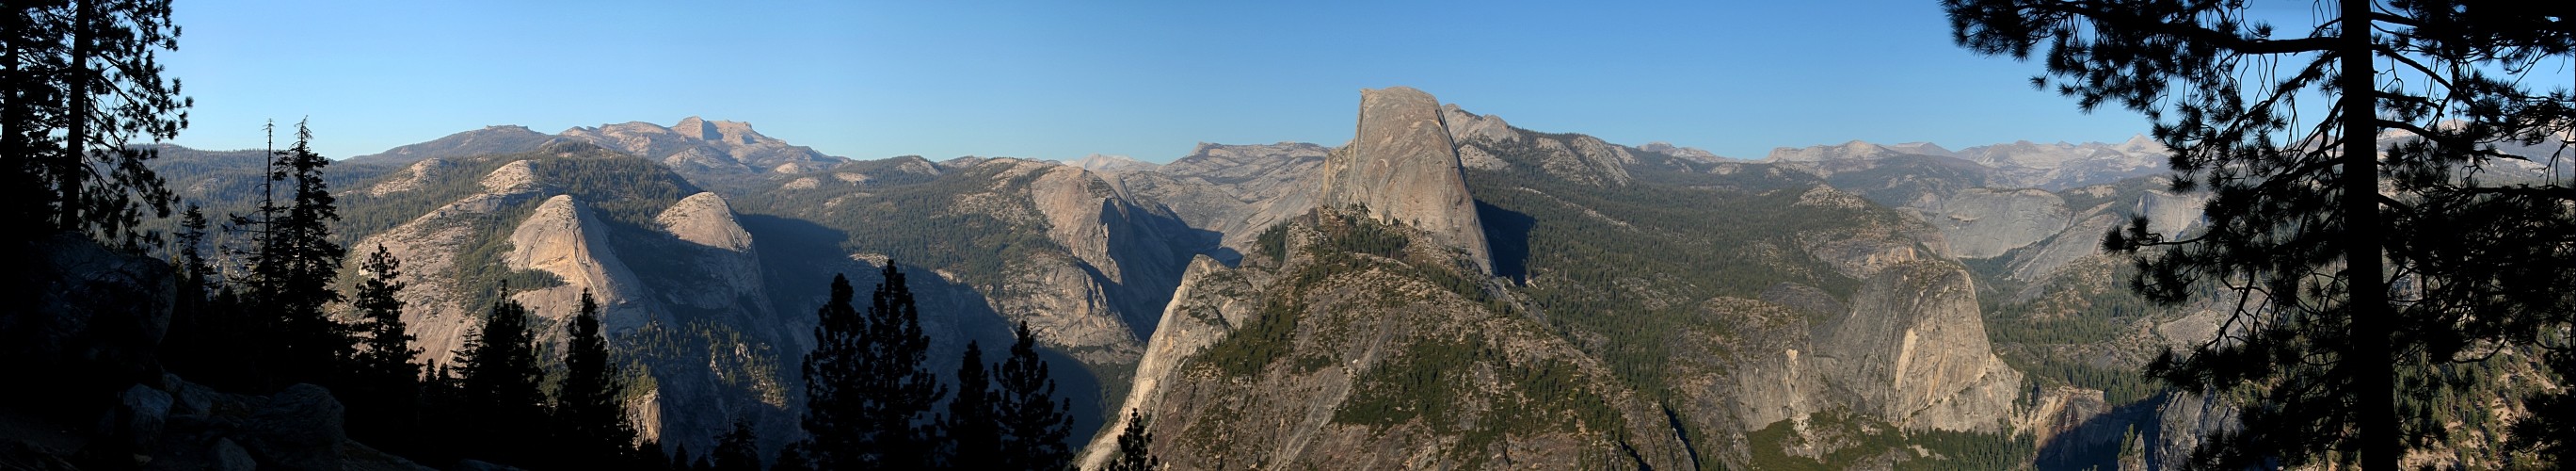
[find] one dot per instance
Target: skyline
(1061, 81)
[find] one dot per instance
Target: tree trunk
(2375, 374)
(72, 165)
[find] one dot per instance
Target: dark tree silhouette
(866, 385)
(833, 384)
(973, 428)
(1035, 423)
(680, 458)
(738, 449)
(2350, 271)
(211, 340)
(384, 388)
(79, 84)
(505, 413)
(292, 270)
(898, 376)
(1135, 447)
(588, 413)
(792, 458)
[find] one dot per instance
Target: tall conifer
(592, 419)
(385, 386)
(1034, 423)
(503, 409)
(973, 427)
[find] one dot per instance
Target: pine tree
(445, 428)
(1034, 423)
(866, 382)
(591, 417)
(298, 265)
(205, 342)
(903, 387)
(832, 383)
(385, 386)
(973, 427)
(504, 410)
(79, 82)
(737, 450)
(2354, 269)
(1135, 445)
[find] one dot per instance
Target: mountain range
(1445, 290)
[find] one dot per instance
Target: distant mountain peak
(1111, 163)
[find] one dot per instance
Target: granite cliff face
(563, 238)
(1310, 361)
(731, 262)
(1403, 168)
(430, 246)
(1233, 190)
(1913, 351)
(1982, 223)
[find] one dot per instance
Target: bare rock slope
(1404, 168)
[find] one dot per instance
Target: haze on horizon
(1057, 80)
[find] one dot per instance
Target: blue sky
(1060, 80)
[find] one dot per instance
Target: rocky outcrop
(1404, 169)
(1768, 362)
(409, 178)
(82, 312)
(1982, 223)
(1297, 364)
(728, 271)
(1234, 190)
(168, 423)
(1138, 251)
(2171, 214)
(430, 246)
(1913, 351)
(1208, 304)
(563, 238)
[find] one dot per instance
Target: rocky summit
(1403, 168)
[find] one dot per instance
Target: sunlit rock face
(1404, 169)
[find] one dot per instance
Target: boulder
(298, 428)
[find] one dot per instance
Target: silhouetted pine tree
(79, 83)
(445, 429)
(206, 342)
(292, 270)
(2355, 232)
(866, 384)
(384, 392)
(902, 387)
(833, 383)
(591, 418)
(504, 410)
(1034, 423)
(737, 450)
(973, 428)
(1134, 447)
